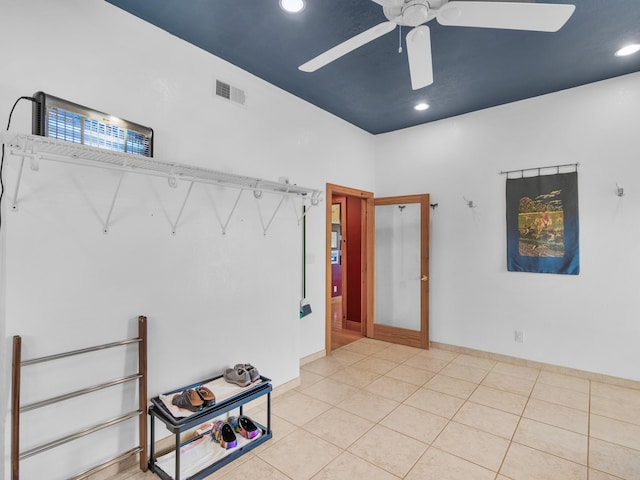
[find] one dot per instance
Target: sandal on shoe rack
(188, 399)
(207, 396)
(194, 400)
(222, 433)
(244, 426)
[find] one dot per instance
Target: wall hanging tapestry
(542, 224)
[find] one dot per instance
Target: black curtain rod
(557, 167)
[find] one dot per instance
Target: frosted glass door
(401, 270)
(397, 257)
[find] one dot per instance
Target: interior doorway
(346, 270)
(389, 236)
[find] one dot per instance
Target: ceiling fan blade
(347, 46)
(389, 3)
(419, 53)
(539, 17)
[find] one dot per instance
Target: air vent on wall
(230, 93)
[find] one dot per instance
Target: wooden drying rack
(16, 408)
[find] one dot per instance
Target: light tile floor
(374, 410)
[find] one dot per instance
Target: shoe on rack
(253, 371)
(207, 396)
(239, 376)
(244, 426)
(223, 433)
(188, 399)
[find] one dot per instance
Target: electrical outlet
(519, 336)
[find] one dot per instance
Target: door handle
(424, 278)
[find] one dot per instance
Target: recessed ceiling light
(628, 50)
(421, 106)
(292, 6)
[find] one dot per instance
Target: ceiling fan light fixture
(292, 6)
(628, 50)
(421, 106)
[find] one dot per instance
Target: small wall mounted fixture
(619, 190)
(469, 203)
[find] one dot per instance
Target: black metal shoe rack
(179, 425)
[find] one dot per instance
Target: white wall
(211, 300)
(589, 321)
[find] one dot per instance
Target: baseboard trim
(285, 387)
(312, 357)
(113, 470)
(597, 377)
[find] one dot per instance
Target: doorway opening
(346, 265)
(365, 235)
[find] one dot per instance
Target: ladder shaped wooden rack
(140, 413)
(35, 148)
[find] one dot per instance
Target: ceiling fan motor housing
(413, 12)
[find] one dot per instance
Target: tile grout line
(549, 453)
(400, 404)
(379, 422)
(449, 420)
(443, 428)
(518, 424)
(536, 382)
(346, 450)
(466, 400)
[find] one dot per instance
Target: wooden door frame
(344, 290)
(367, 289)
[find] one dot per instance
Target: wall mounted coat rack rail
(36, 148)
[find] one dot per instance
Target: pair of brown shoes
(195, 399)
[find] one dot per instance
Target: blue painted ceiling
(473, 68)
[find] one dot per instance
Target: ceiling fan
(513, 15)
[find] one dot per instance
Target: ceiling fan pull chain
(400, 38)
